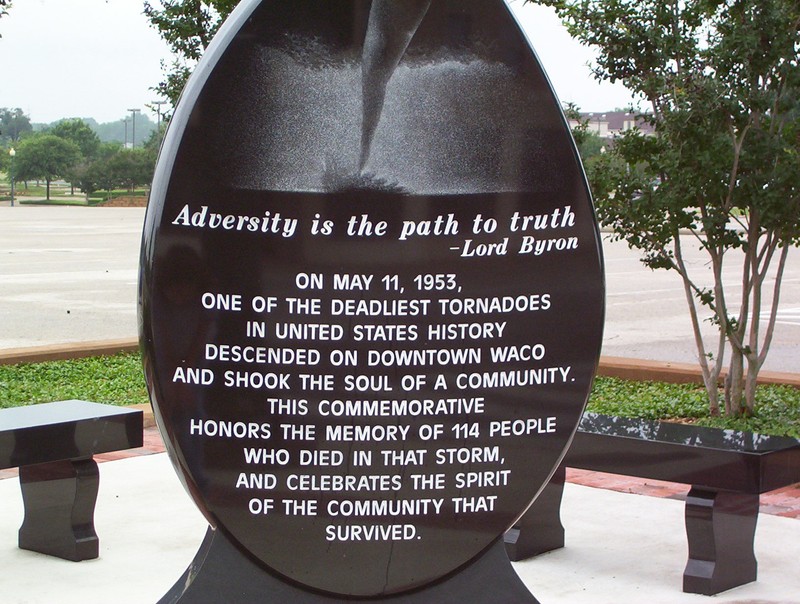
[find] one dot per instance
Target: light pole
(126, 132)
(133, 133)
(158, 110)
(12, 153)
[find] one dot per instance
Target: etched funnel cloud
(392, 25)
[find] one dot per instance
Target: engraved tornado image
(391, 27)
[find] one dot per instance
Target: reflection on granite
(681, 434)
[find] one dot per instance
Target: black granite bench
(727, 470)
(52, 444)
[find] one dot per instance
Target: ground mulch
(133, 201)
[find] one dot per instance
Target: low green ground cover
(114, 379)
(63, 196)
(40, 190)
(777, 407)
(100, 196)
(73, 201)
(118, 380)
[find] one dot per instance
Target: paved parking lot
(69, 274)
(648, 317)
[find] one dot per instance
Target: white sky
(100, 58)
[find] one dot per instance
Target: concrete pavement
(68, 274)
(621, 549)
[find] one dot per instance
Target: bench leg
(540, 529)
(721, 528)
(59, 499)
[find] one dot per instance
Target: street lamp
(12, 153)
(158, 109)
(133, 133)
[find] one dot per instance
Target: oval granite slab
(371, 287)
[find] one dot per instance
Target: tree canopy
(722, 79)
(188, 27)
(4, 6)
(45, 156)
(13, 124)
(79, 132)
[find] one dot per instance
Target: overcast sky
(100, 58)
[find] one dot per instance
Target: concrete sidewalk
(621, 549)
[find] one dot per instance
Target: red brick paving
(627, 484)
(152, 444)
(783, 502)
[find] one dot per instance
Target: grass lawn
(76, 201)
(65, 195)
(114, 379)
(119, 380)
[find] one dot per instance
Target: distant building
(613, 123)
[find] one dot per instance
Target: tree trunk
(734, 384)
(48, 189)
(710, 371)
(712, 390)
(753, 367)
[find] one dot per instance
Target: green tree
(188, 27)
(98, 174)
(13, 124)
(45, 156)
(82, 178)
(131, 167)
(723, 80)
(79, 132)
(588, 142)
(152, 145)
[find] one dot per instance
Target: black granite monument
(371, 300)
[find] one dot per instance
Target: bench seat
(53, 445)
(727, 471)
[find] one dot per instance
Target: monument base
(221, 573)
